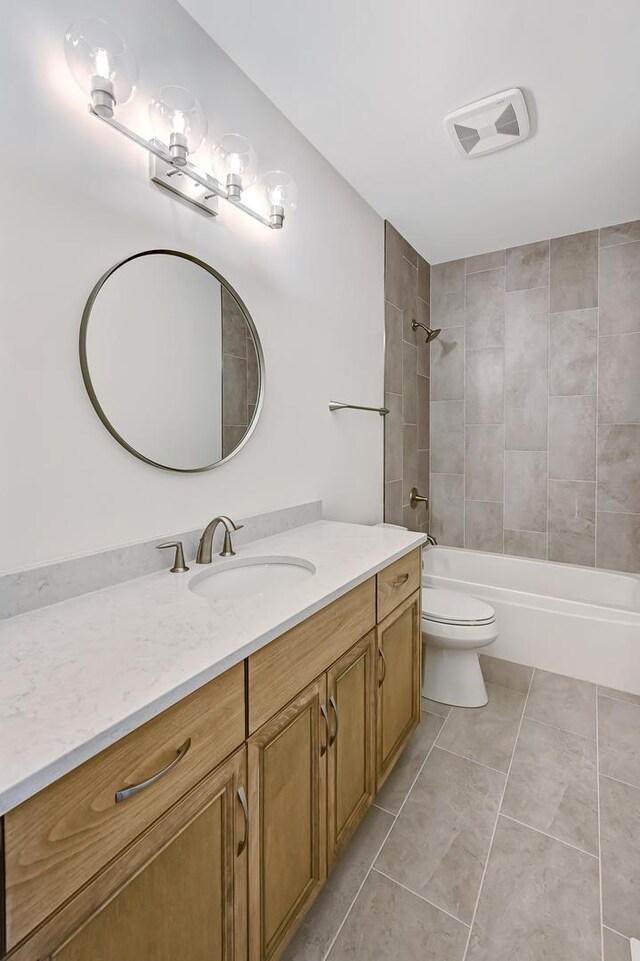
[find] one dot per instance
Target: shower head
(431, 334)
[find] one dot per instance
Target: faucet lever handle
(179, 566)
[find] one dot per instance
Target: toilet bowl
(455, 627)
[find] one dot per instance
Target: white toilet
(455, 627)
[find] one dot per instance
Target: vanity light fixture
(104, 68)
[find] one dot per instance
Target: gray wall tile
(424, 349)
(620, 289)
(619, 379)
(619, 468)
(423, 472)
(620, 233)
(525, 544)
(527, 329)
(525, 490)
(424, 413)
(528, 266)
(572, 522)
(484, 470)
(393, 438)
(572, 438)
(409, 383)
(401, 276)
(495, 258)
(574, 271)
(447, 436)
(483, 526)
(485, 386)
(392, 349)
(573, 351)
(393, 502)
(618, 543)
(424, 279)
(409, 460)
(447, 365)
(526, 403)
(447, 293)
(447, 509)
(485, 309)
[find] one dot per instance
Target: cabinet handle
(383, 661)
(242, 797)
(334, 706)
(323, 711)
(130, 791)
(400, 580)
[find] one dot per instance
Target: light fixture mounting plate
(170, 178)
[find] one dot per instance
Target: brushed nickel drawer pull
(332, 702)
(130, 791)
(400, 580)
(323, 711)
(242, 797)
(384, 664)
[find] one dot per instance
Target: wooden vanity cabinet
(178, 891)
(351, 771)
(287, 798)
(221, 857)
(399, 679)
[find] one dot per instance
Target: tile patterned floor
(508, 831)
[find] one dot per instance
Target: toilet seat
(440, 606)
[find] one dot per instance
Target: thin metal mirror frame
(86, 376)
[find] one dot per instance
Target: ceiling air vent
(490, 124)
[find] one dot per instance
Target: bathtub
(572, 620)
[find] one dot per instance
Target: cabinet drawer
(58, 839)
(279, 671)
(398, 581)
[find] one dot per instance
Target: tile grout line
(599, 827)
(618, 780)
(552, 837)
(463, 757)
(495, 826)
(555, 727)
(619, 933)
(422, 898)
(377, 854)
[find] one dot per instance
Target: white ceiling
(369, 84)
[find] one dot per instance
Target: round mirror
(172, 361)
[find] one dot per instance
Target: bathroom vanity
(209, 829)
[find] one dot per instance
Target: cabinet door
(179, 891)
(351, 759)
(399, 663)
(287, 797)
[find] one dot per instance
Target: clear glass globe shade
(280, 189)
(235, 155)
(93, 48)
(176, 110)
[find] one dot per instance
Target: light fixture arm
(188, 169)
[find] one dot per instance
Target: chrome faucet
(431, 540)
(206, 541)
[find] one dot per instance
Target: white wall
(74, 199)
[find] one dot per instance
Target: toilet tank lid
(454, 607)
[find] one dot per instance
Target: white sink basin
(251, 577)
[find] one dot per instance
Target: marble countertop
(78, 675)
